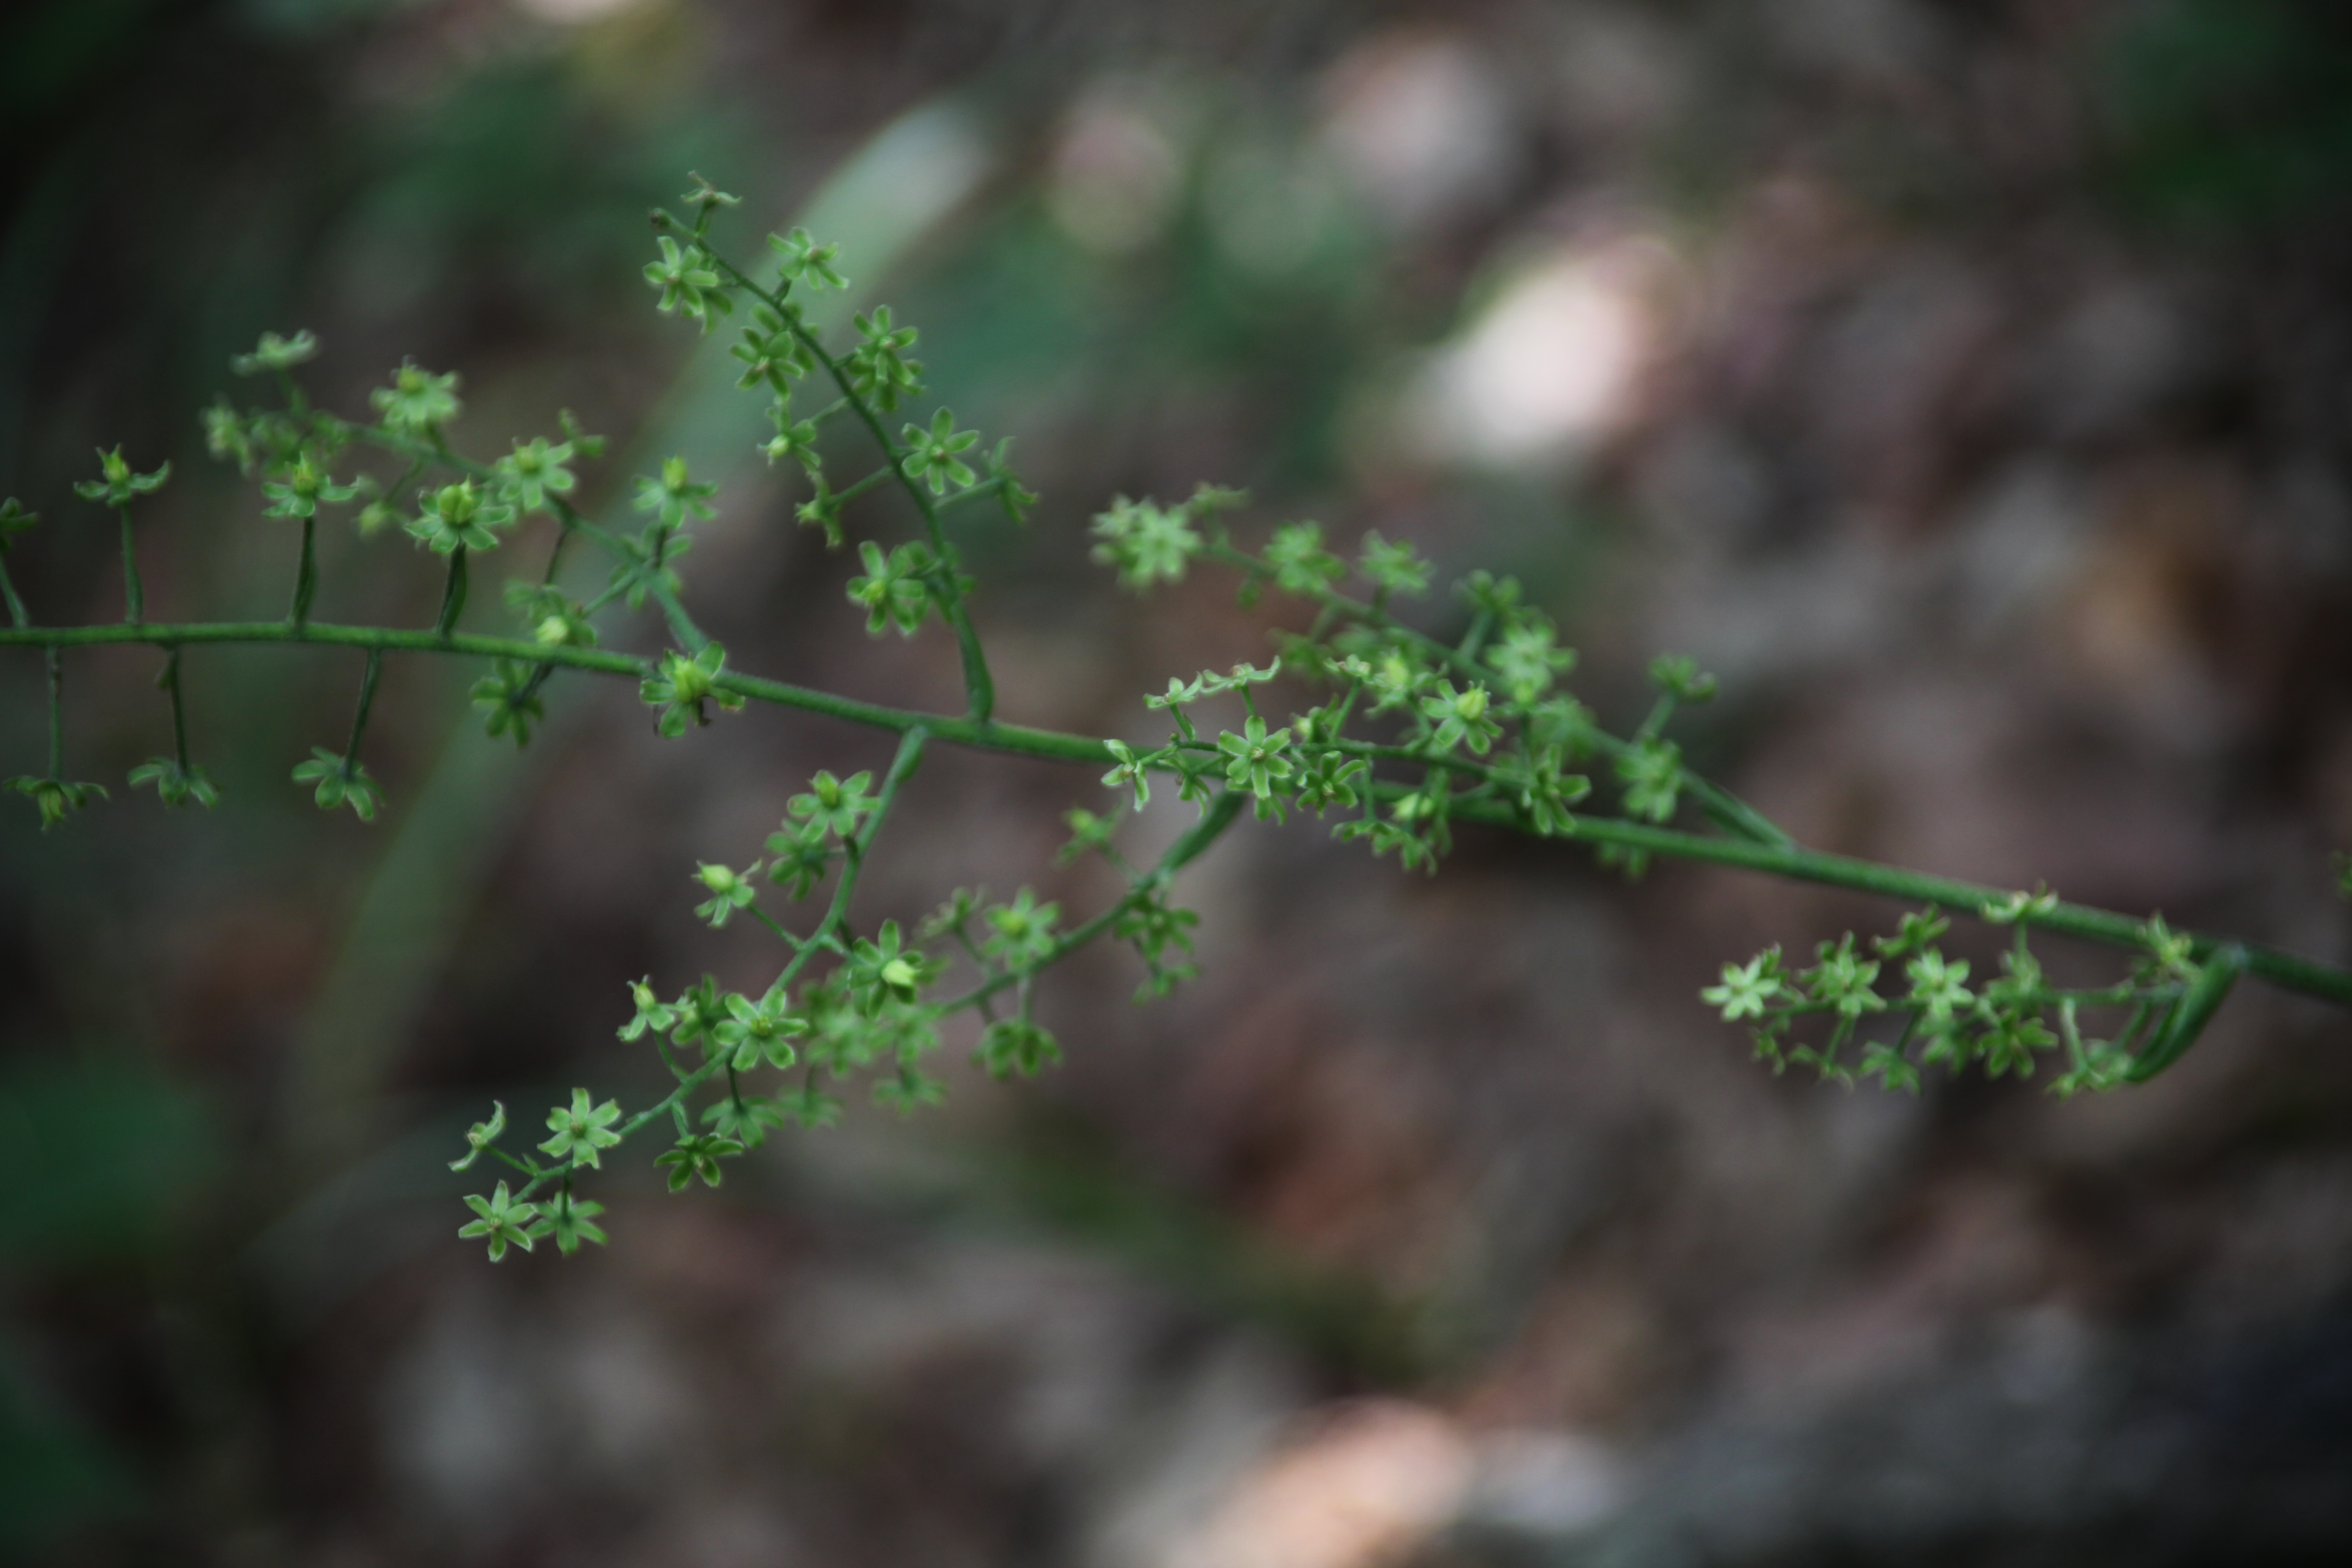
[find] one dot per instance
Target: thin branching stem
(980, 686)
(2281, 968)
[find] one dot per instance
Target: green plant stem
(852, 860)
(1720, 806)
(980, 686)
(171, 683)
(17, 617)
(135, 593)
(1222, 813)
(453, 597)
(367, 701)
(56, 673)
(2330, 982)
(306, 573)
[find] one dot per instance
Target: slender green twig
(171, 683)
(366, 702)
(56, 666)
(306, 572)
(17, 615)
(134, 594)
(452, 596)
(980, 686)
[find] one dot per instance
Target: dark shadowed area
(1967, 385)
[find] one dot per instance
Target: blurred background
(1966, 382)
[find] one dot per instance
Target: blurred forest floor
(1967, 385)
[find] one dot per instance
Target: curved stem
(453, 597)
(980, 686)
(2281, 968)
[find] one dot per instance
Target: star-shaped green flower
(503, 1222)
(582, 1130)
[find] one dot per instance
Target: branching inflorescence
(1391, 734)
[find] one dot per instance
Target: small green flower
(417, 402)
(687, 285)
(1011, 1045)
(341, 782)
(1679, 677)
(2016, 907)
(698, 1155)
(1652, 772)
(275, 353)
(1328, 780)
(504, 1222)
(879, 370)
(744, 1118)
(1917, 933)
(534, 471)
(301, 486)
(698, 1011)
(570, 1220)
(758, 1032)
(729, 891)
(1301, 564)
(1088, 832)
(1843, 980)
(227, 433)
(772, 353)
(1022, 931)
(684, 685)
(799, 857)
(1748, 987)
(509, 700)
(582, 1130)
(796, 440)
(894, 591)
(837, 805)
(1147, 543)
(1525, 661)
(1939, 989)
(1545, 792)
(553, 618)
(645, 567)
(456, 517)
(1394, 568)
(931, 455)
(1459, 717)
(174, 784)
(56, 799)
(807, 262)
(1017, 499)
(673, 496)
(908, 1090)
(1133, 771)
(809, 1107)
(652, 1012)
(116, 485)
(481, 1135)
(884, 969)
(1255, 760)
